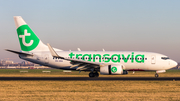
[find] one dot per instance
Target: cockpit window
(164, 58)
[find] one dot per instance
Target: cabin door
(153, 59)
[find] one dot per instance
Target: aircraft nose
(174, 63)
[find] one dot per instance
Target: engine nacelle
(112, 69)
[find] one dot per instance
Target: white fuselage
(131, 60)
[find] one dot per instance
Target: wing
(82, 65)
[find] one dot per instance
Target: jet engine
(112, 69)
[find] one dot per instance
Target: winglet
(53, 53)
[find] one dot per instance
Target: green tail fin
(27, 38)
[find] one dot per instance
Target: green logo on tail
(27, 39)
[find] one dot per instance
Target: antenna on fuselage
(103, 50)
(78, 49)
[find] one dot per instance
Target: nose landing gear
(156, 75)
(93, 74)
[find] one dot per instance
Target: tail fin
(27, 38)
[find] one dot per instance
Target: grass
(88, 90)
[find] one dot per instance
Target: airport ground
(87, 89)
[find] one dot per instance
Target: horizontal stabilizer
(17, 52)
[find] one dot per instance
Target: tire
(156, 75)
(91, 75)
(96, 74)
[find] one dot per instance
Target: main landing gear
(156, 75)
(93, 74)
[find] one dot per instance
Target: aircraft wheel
(91, 74)
(156, 75)
(96, 74)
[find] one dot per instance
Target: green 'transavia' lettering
(115, 58)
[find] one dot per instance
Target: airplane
(103, 62)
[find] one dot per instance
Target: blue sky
(132, 25)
